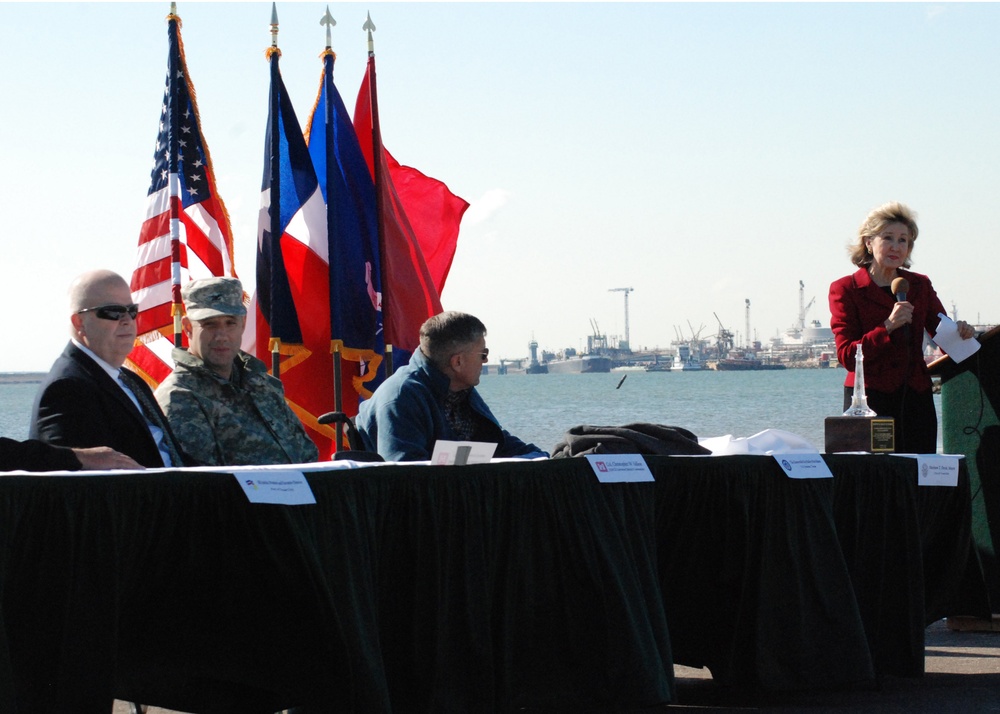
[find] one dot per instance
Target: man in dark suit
(88, 399)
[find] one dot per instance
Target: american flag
(186, 234)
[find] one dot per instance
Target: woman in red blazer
(890, 331)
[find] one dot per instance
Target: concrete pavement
(962, 675)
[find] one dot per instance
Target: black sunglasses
(112, 312)
(484, 356)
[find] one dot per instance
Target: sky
(702, 154)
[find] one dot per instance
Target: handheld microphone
(900, 286)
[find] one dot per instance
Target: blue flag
(352, 232)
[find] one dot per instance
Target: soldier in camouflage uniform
(223, 406)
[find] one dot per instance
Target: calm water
(540, 408)
(15, 409)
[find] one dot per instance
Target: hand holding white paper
(947, 338)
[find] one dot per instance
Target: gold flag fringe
(297, 354)
(319, 94)
(312, 421)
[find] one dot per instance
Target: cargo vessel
(596, 359)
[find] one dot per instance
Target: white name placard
(459, 453)
(803, 465)
(619, 468)
(287, 488)
(937, 470)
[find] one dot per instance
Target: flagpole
(273, 53)
(174, 188)
(336, 341)
(369, 26)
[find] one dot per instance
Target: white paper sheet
(948, 340)
(765, 442)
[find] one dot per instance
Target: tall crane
(628, 344)
(724, 340)
(749, 340)
(802, 305)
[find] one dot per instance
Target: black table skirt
(493, 588)
(755, 584)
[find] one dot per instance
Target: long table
(491, 588)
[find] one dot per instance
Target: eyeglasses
(484, 355)
(112, 312)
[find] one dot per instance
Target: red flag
(186, 234)
(420, 221)
(434, 213)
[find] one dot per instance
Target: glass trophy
(859, 401)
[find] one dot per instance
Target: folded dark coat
(629, 439)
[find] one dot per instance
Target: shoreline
(22, 377)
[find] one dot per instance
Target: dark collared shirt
(459, 414)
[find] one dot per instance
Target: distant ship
(741, 359)
(583, 364)
(658, 365)
(745, 362)
(534, 366)
(687, 360)
(595, 360)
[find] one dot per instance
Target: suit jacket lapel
(108, 384)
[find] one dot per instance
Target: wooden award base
(876, 435)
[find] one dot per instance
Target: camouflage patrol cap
(213, 296)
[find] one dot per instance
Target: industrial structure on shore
(803, 345)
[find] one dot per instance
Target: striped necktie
(151, 410)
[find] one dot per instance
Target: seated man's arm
(191, 425)
(514, 447)
(406, 430)
(34, 455)
(101, 458)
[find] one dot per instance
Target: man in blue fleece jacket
(434, 397)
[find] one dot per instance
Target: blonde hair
(875, 223)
